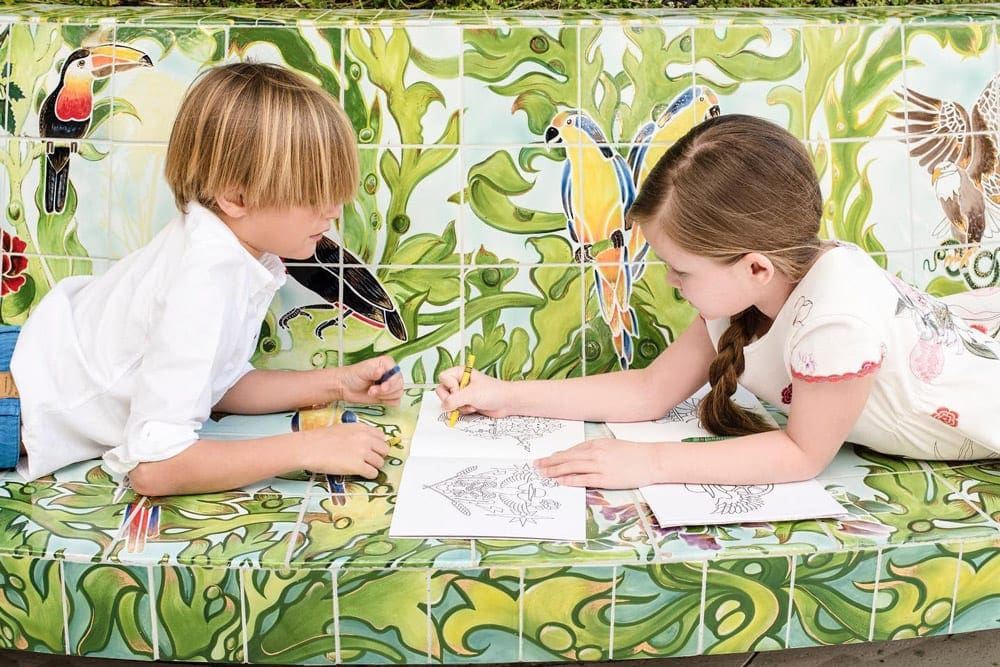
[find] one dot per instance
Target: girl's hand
(359, 382)
(604, 463)
(349, 449)
(483, 394)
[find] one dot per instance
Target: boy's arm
(821, 417)
(219, 465)
(261, 390)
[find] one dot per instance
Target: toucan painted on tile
(66, 112)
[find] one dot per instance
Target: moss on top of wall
(505, 5)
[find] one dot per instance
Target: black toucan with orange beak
(364, 296)
(66, 112)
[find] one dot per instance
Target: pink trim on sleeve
(866, 368)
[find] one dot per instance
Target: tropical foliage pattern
(461, 218)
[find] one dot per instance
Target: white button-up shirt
(129, 364)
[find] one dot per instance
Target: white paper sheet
(682, 422)
(480, 436)
(478, 480)
(482, 498)
(709, 504)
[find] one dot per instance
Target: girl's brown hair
(271, 133)
(736, 184)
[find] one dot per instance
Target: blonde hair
(277, 137)
(732, 185)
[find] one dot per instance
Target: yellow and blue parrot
(597, 191)
(694, 105)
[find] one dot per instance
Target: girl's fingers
(368, 471)
(589, 480)
(571, 467)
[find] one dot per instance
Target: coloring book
(477, 479)
(705, 504)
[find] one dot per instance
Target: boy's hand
(347, 449)
(360, 384)
(483, 394)
(603, 463)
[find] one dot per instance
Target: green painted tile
(316, 54)
(108, 610)
(615, 533)
(289, 616)
(475, 615)
(198, 614)
(56, 520)
(31, 604)
(567, 613)
(978, 587)
(382, 616)
(978, 483)
(223, 529)
(832, 598)
(916, 591)
(354, 532)
(746, 604)
(900, 509)
(657, 610)
(502, 108)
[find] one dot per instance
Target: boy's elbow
(147, 480)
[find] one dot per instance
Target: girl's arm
(821, 417)
(220, 465)
(633, 395)
(261, 391)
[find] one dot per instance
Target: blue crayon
(388, 374)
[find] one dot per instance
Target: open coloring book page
(477, 479)
(682, 422)
(476, 435)
(481, 498)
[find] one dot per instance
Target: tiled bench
(459, 213)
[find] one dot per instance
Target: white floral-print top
(937, 393)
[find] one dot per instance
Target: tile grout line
(520, 614)
(154, 631)
(335, 581)
(430, 657)
(954, 595)
(791, 600)
(293, 543)
(243, 614)
(701, 609)
(65, 604)
(875, 587)
(614, 600)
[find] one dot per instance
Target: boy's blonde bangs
(266, 133)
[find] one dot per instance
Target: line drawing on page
(522, 429)
(685, 411)
(733, 498)
(515, 492)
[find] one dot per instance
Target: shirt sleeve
(835, 348)
(188, 347)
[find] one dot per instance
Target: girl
(129, 364)
(850, 351)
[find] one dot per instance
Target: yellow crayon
(466, 374)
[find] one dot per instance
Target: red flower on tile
(786, 395)
(946, 416)
(14, 263)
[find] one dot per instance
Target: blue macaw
(694, 105)
(597, 191)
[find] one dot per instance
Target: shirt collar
(266, 274)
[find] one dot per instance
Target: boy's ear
(231, 203)
(759, 267)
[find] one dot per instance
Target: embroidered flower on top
(946, 416)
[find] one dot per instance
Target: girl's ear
(231, 203)
(759, 267)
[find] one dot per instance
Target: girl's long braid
(718, 412)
